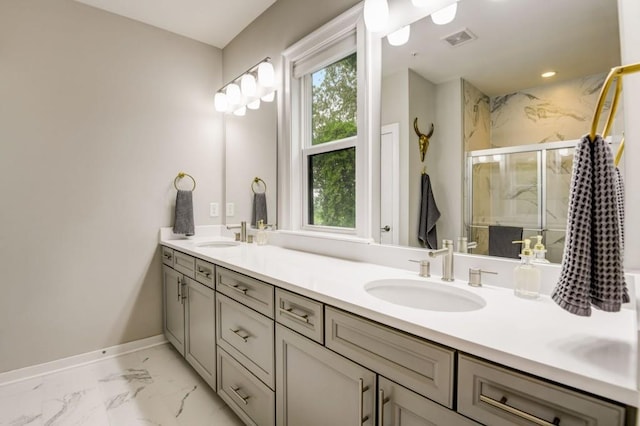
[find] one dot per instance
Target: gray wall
(98, 113)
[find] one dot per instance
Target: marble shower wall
(554, 112)
(477, 118)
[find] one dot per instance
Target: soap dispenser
(526, 275)
(261, 235)
(539, 251)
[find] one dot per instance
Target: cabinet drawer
(184, 263)
(247, 336)
(204, 273)
(253, 293)
(398, 405)
(414, 363)
(300, 314)
(252, 401)
(497, 396)
(167, 256)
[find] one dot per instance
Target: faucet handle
(425, 267)
(475, 276)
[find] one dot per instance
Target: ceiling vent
(459, 38)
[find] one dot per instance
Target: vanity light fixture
(254, 104)
(234, 95)
(445, 15)
(269, 97)
(548, 74)
(266, 75)
(246, 90)
(376, 14)
(248, 85)
(399, 37)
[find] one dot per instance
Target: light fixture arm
(249, 70)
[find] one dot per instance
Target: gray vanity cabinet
(317, 387)
(398, 406)
(173, 307)
(498, 396)
(200, 342)
(189, 315)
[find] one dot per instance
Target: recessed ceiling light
(548, 74)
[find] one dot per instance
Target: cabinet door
(200, 339)
(317, 387)
(173, 307)
(398, 406)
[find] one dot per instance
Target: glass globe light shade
(248, 85)
(445, 15)
(399, 37)
(376, 14)
(266, 75)
(220, 102)
(234, 96)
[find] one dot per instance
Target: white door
(389, 183)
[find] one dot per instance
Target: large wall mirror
(250, 153)
(501, 150)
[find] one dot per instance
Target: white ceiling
(517, 41)
(215, 22)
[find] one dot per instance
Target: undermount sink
(218, 244)
(431, 296)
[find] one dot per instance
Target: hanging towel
(429, 214)
(501, 240)
(620, 204)
(591, 265)
(184, 223)
(259, 209)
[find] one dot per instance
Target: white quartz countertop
(597, 354)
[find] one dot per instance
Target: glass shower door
(505, 190)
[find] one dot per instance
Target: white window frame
(335, 40)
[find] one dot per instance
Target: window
(330, 151)
(324, 133)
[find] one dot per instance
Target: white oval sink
(431, 296)
(218, 244)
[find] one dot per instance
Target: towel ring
(257, 181)
(180, 176)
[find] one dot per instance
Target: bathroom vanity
(291, 338)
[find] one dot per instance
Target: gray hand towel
(591, 266)
(429, 214)
(501, 240)
(620, 204)
(184, 223)
(259, 209)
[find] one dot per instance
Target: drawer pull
(204, 272)
(237, 288)
(237, 333)
(167, 255)
(303, 318)
(361, 390)
(502, 405)
(381, 402)
(237, 394)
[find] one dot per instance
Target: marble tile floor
(153, 386)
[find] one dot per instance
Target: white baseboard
(78, 360)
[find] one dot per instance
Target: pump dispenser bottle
(526, 275)
(261, 235)
(539, 251)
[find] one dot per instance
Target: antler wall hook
(423, 141)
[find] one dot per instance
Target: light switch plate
(230, 209)
(214, 210)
